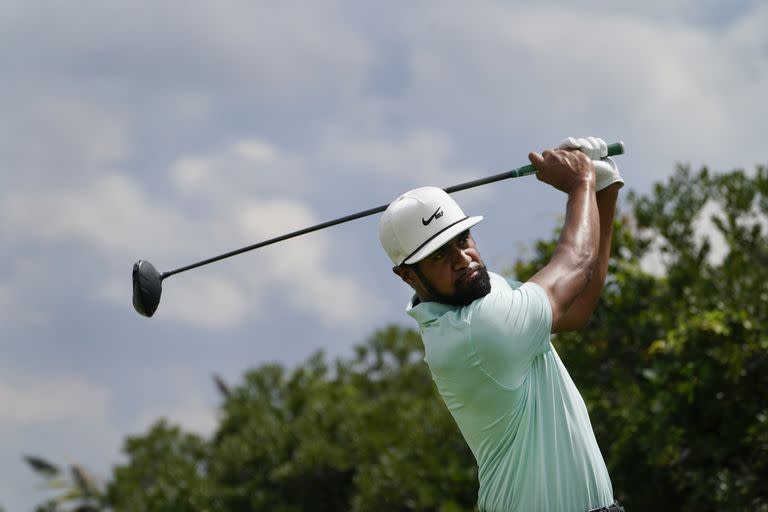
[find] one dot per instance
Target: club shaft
(614, 149)
(278, 239)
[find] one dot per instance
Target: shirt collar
(426, 312)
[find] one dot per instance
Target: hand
(606, 170)
(564, 170)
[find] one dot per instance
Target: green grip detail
(617, 148)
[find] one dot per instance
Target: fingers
(601, 148)
(550, 156)
(587, 147)
(538, 162)
(594, 147)
(563, 169)
(536, 159)
(597, 148)
(574, 157)
(569, 143)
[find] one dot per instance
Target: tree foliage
(78, 490)
(368, 434)
(672, 368)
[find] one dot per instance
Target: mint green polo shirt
(514, 401)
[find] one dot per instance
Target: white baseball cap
(419, 222)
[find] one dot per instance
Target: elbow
(581, 323)
(572, 322)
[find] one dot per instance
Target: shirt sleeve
(509, 327)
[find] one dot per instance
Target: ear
(405, 273)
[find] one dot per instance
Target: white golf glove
(606, 171)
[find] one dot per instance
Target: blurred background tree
(367, 434)
(77, 490)
(672, 368)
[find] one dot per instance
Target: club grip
(617, 148)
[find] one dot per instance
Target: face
(454, 274)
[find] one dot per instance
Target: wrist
(584, 184)
(589, 181)
(610, 190)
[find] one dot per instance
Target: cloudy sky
(174, 131)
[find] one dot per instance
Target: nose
(460, 257)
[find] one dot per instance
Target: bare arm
(570, 270)
(580, 312)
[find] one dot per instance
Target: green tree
(77, 490)
(365, 434)
(168, 472)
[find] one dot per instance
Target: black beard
(467, 291)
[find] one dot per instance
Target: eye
(437, 255)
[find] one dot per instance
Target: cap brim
(442, 238)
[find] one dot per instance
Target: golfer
(487, 339)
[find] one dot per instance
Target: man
(487, 340)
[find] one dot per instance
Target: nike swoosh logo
(432, 217)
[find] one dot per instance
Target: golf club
(147, 281)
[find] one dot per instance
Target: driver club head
(147, 287)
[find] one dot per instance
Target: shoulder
(509, 304)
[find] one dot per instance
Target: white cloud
(242, 169)
(187, 410)
(272, 217)
(190, 174)
(414, 158)
(419, 154)
(114, 216)
(256, 151)
(50, 399)
(17, 312)
(184, 402)
(299, 269)
(111, 212)
(57, 138)
(672, 90)
(281, 51)
(337, 299)
(419, 151)
(210, 301)
(5, 297)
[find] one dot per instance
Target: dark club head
(147, 287)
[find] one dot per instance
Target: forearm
(573, 262)
(580, 311)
